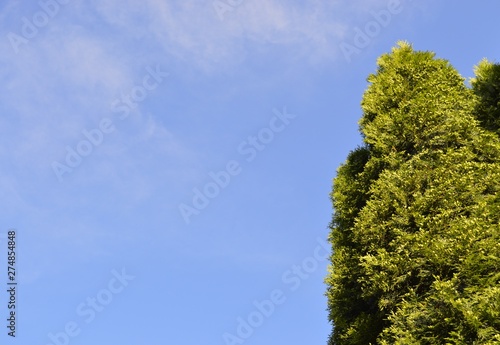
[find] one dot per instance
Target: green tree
(415, 231)
(486, 86)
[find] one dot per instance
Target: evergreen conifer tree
(416, 225)
(486, 86)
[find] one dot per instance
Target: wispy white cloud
(193, 33)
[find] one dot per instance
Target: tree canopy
(415, 231)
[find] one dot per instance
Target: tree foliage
(415, 231)
(486, 86)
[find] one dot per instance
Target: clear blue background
(120, 207)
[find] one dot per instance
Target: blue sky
(167, 164)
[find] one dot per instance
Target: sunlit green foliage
(415, 231)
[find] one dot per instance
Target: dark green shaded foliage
(415, 231)
(486, 86)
